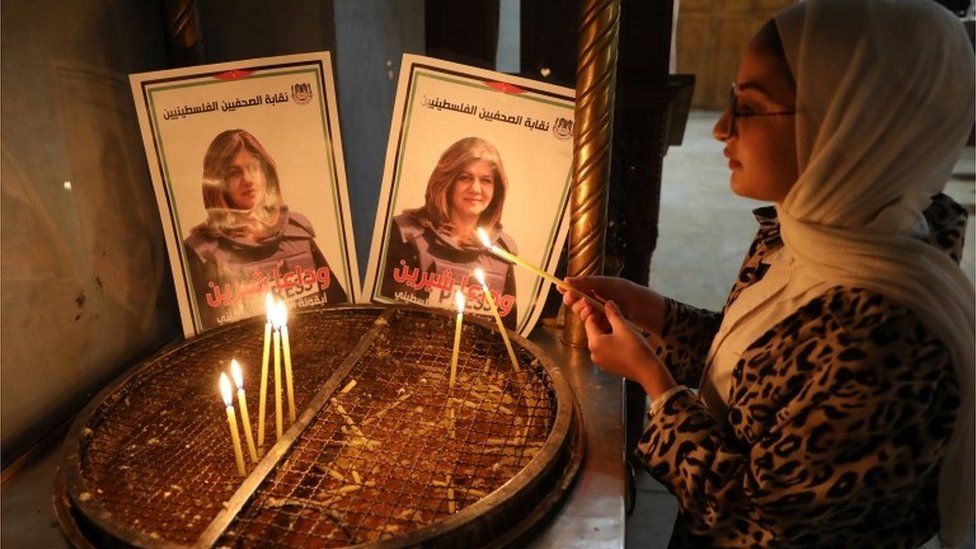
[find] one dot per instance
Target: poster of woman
(471, 149)
(247, 163)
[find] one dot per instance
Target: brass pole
(596, 75)
(183, 32)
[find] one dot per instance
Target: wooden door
(711, 37)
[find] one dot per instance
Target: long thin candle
(459, 300)
(480, 275)
(561, 284)
(225, 392)
(279, 420)
(289, 384)
(263, 396)
(235, 372)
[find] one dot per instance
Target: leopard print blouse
(838, 418)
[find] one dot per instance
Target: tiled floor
(704, 233)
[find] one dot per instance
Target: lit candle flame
(459, 301)
(483, 237)
(276, 315)
(225, 390)
(269, 305)
(235, 372)
(480, 275)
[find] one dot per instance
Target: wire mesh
(398, 450)
(155, 455)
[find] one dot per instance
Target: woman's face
(473, 189)
(245, 180)
(761, 147)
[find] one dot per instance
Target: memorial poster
(468, 149)
(246, 162)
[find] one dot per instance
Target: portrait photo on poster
(477, 161)
(247, 165)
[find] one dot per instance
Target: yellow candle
(286, 347)
(562, 284)
(263, 395)
(512, 258)
(459, 300)
(279, 421)
(235, 372)
(225, 392)
(480, 275)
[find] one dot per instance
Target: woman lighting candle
(235, 372)
(480, 275)
(225, 392)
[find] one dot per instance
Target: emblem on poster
(301, 93)
(563, 128)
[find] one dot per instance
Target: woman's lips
(733, 163)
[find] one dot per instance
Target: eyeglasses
(734, 108)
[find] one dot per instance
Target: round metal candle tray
(383, 452)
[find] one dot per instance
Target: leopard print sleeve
(837, 422)
(685, 339)
(947, 224)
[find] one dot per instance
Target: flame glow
(483, 237)
(235, 372)
(225, 390)
(269, 306)
(459, 301)
(480, 275)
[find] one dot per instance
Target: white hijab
(885, 102)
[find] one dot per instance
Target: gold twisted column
(183, 32)
(596, 75)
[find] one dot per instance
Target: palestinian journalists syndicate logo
(563, 128)
(301, 93)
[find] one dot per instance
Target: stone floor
(704, 233)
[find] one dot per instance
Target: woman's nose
(721, 129)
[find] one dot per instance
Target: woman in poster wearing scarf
(251, 243)
(434, 249)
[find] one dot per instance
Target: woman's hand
(640, 304)
(619, 350)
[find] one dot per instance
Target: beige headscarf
(885, 102)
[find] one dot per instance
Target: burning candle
(225, 392)
(561, 284)
(263, 395)
(286, 347)
(512, 258)
(480, 275)
(459, 300)
(235, 372)
(279, 420)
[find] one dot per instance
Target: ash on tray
(391, 452)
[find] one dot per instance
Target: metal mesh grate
(155, 454)
(399, 451)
